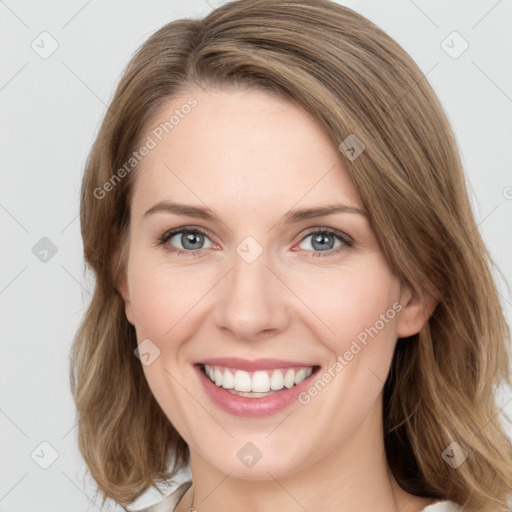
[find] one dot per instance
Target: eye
(185, 240)
(190, 241)
(325, 242)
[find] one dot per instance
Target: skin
(251, 157)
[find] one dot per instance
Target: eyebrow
(293, 216)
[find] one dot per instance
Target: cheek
(354, 302)
(162, 298)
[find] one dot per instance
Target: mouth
(256, 384)
(254, 388)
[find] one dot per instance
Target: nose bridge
(250, 301)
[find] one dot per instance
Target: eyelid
(324, 229)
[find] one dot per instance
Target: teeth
(218, 377)
(228, 380)
(242, 381)
(276, 381)
(261, 381)
(300, 375)
(289, 378)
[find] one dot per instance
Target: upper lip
(254, 364)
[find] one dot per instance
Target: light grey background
(50, 112)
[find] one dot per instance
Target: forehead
(245, 150)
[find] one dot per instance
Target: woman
(292, 298)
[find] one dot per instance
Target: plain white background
(51, 109)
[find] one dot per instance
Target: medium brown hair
(355, 80)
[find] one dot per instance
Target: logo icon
(44, 45)
(352, 147)
(249, 455)
(44, 455)
(44, 250)
(454, 455)
(147, 352)
(454, 45)
(249, 249)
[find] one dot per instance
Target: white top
(169, 503)
(442, 506)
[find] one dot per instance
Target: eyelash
(346, 241)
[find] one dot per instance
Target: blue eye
(191, 240)
(324, 242)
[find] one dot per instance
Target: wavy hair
(356, 80)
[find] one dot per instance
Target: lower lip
(251, 407)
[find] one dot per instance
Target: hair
(356, 80)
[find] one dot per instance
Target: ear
(122, 288)
(417, 309)
(120, 257)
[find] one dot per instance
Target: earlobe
(417, 309)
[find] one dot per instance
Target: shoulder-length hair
(357, 81)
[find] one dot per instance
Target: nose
(252, 301)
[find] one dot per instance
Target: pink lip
(256, 364)
(252, 407)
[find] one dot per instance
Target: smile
(254, 389)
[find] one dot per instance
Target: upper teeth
(260, 381)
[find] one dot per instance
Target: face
(292, 308)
